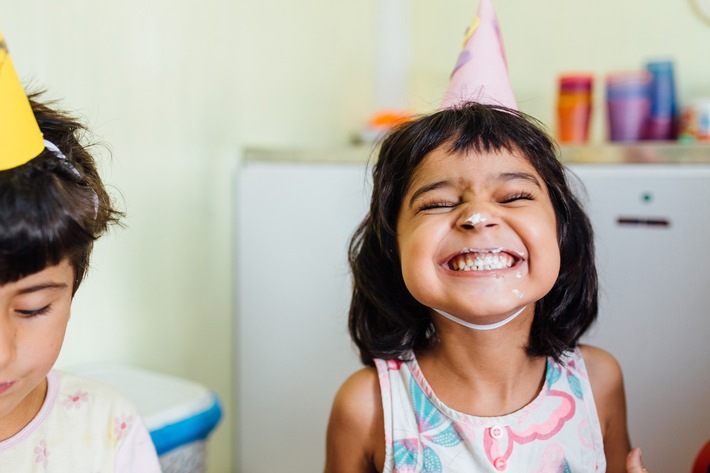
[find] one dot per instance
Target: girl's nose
(477, 220)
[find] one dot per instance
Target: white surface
(292, 294)
(655, 296)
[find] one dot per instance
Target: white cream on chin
(492, 326)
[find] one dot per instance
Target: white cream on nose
(476, 218)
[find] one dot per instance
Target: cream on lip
(481, 250)
(494, 250)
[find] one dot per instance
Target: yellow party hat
(20, 137)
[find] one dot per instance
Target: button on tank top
(558, 432)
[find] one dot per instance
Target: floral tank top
(558, 432)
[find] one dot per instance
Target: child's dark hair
(385, 320)
(52, 209)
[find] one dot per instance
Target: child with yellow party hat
(53, 206)
(473, 281)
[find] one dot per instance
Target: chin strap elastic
(477, 326)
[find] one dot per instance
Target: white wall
(178, 88)
(158, 293)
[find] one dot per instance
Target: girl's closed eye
(437, 205)
(517, 196)
(29, 313)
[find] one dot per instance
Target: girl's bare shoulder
(361, 386)
(355, 441)
(604, 370)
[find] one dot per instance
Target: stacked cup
(661, 124)
(574, 107)
(628, 104)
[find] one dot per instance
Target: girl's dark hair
(385, 320)
(52, 209)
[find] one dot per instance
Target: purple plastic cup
(628, 105)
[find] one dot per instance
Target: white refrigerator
(295, 213)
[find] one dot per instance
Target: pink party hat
(481, 72)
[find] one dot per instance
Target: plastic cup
(574, 108)
(663, 115)
(628, 105)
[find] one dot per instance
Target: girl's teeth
(481, 262)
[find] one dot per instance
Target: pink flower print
(42, 453)
(554, 423)
(121, 424)
(75, 400)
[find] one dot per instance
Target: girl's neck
(25, 411)
(483, 373)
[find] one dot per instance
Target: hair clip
(54, 149)
(58, 153)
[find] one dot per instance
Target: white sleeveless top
(558, 432)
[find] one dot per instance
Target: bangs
(469, 127)
(487, 129)
(42, 222)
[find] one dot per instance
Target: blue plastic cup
(661, 124)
